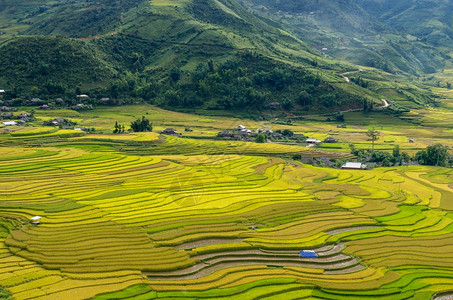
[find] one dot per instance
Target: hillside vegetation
(363, 32)
(428, 20)
(52, 65)
(212, 55)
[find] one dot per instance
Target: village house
(330, 140)
(171, 131)
(35, 100)
(6, 116)
(57, 121)
(225, 134)
(23, 118)
(277, 135)
(10, 123)
(44, 107)
(312, 141)
(274, 104)
(4, 108)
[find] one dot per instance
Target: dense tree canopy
(434, 155)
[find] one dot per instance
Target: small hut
(36, 220)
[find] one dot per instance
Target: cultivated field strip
(212, 226)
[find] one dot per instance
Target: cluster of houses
(242, 133)
(22, 119)
(43, 104)
(65, 124)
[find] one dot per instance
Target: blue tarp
(308, 253)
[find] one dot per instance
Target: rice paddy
(146, 216)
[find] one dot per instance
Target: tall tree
(373, 135)
(117, 128)
(141, 125)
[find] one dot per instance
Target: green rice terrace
(152, 216)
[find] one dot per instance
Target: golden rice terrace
(122, 226)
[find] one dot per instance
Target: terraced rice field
(203, 219)
(145, 216)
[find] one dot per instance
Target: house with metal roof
(353, 166)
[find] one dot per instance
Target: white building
(353, 166)
(312, 141)
(10, 123)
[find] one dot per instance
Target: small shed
(411, 140)
(240, 127)
(308, 254)
(353, 166)
(36, 220)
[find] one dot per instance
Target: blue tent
(308, 253)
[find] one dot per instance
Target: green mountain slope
(52, 64)
(66, 17)
(346, 30)
(428, 20)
